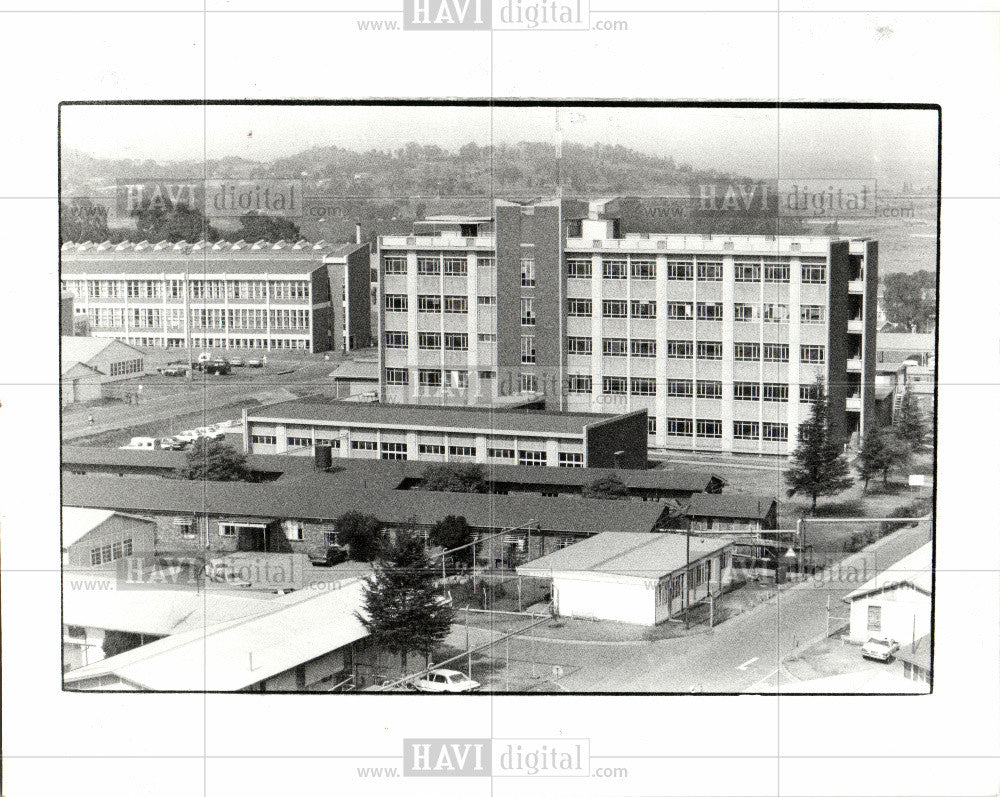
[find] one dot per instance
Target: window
(396, 340)
(643, 386)
(395, 303)
(680, 349)
(708, 428)
(746, 352)
(679, 427)
(578, 383)
(485, 261)
(456, 304)
(456, 341)
(776, 352)
(456, 379)
(429, 340)
(529, 383)
(394, 264)
(775, 391)
(428, 265)
(709, 311)
(324, 442)
(710, 271)
(264, 439)
(813, 314)
(527, 272)
(642, 347)
(577, 345)
(569, 459)
(615, 347)
(461, 451)
(293, 529)
(299, 442)
(747, 271)
(745, 430)
(500, 453)
(430, 448)
(364, 445)
(487, 374)
(745, 312)
(578, 268)
(528, 349)
(578, 308)
(614, 308)
(456, 267)
(395, 451)
(814, 272)
(812, 354)
(709, 389)
(487, 301)
(680, 269)
(615, 386)
(330, 537)
(776, 313)
(680, 388)
(527, 311)
(429, 377)
(808, 393)
(651, 425)
(680, 311)
(614, 269)
(746, 391)
(531, 458)
(427, 303)
(643, 269)
(709, 349)
(775, 432)
(874, 618)
(397, 376)
(776, 272)
(641, 309)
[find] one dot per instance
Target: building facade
(282, 296)
(721, 338)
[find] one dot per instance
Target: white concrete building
(896, 603)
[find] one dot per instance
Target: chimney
(357, 233)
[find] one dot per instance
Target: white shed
(896, 603)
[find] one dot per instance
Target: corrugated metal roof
(731, 505)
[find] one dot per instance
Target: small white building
(633, 577)
(896, 603)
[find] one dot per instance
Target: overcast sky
(860, 143)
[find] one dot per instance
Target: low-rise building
(633, 577)
(732, 512)
(99, 538)
(448, 434)
(896, 603)
(92, 368)
(916, 660)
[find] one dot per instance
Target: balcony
(855, 365)
(853, 403)
(856, 325)
(856, 286)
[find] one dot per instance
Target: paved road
(736, 654)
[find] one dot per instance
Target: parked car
(143, 444)
(204, 357)
(173, 370)
(172, 443)
(217, 367)
(255, 362)
(188, 436)
(879, 648)
(442, 680)
(237, 362)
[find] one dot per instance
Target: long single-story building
(732, 512)
(634, 577)
(896, 603)
(431, 433)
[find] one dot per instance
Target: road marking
(747, 663)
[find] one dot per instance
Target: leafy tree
(909, 299)
(452, 478)
(608, 487)
(261, 227)
(178, 224)
(453, 532)
(81, 220)
(818, 466)
(81, 327)
(215, 461)
(911, 426)
(361, 533)
(116, 642)
(402, 607)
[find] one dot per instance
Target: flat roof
(417, 415)
(234, 654)
(312, 497)
(627, 554)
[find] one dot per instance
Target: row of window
(123, 367)
(110, 553)
(742, 430)
(428, 377)
(197, 289)
(685, 349)
(434, 263)
(428, 303)
(428, 341)
(686, 269)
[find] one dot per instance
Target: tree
(909, 299)
(116, 642)
(402, 608)
(453, 532)
(451, 478)
(818, 466)
(361, 533)
(608, 487)
(178, 224)
(910, 425)
(881, 451)
(260, 227)
(215, 461)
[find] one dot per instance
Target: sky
(752, 142)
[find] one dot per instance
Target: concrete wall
(359, 298)
(605, 598)
(627, 433)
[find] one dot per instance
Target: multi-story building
(721, 338)
(299, 296)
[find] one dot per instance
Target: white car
(188, 436)
(879, 648)
(446, 681)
